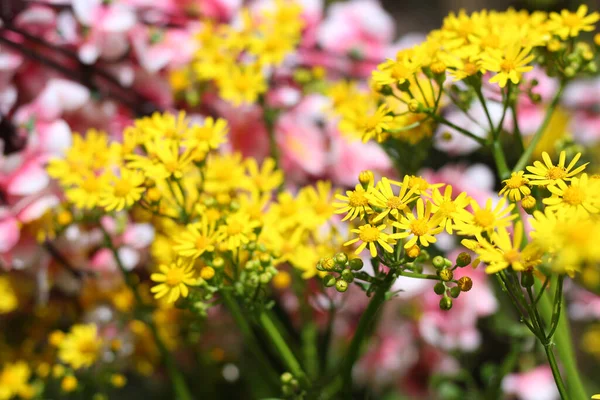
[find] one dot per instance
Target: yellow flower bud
(64, 218)
(597, 39)
(413, 105)
(528, 202)
(446, 275)
(327, 263)
(554, 45)
(153, 194)
(118, 380)
(438, 67)
(282, 280)
(69, 383)
(465, 284)
(207, 273)
(366, 177)
(56, 338)
(414, 251)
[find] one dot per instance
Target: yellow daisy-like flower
(420, 185)
(208, 136)
(515, 187)
(238, 229)
(549, 174)
(486, 219)
(393, 72)
(80, 348)
(449, 210)
(371, 235)
(174, 280)
(502, 253)
(580, 197)
(165, 160)
(122, 191)
(14, 380)
(422, 227)
(570, 24)
(242, 84)
(368, 124)
(197, 238)
(354, 204)
(265, 179)
(161, 126)
(223, 173)
(383, 197)
(87, 192)
(508, 64)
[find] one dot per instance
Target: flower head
(121, 191)
(515, 187)
(509, 64)
(570, 24)
(422, 227)
(383, 198)
(371, 236)
(174, 279)
(80, 348)
(549, 174)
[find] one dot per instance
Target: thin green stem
(444, 121)
(479, 94)
(283, 349)
(500, 160)
(525, 157)
(177, 380)
(364, 326)
(419, 276)
(248, 335)
(557, 307)
(556, 372)
(564, 347)
(517, 129)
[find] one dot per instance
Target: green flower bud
(438, 262)
(439, 288)
(340, 259)
(455, 292)
(286, 378)
(463, 259)
(341, 285)
(447, 263)
(347, 275)
(329, 281)
(265, 260)
(356, 264)
(527, 279)
(445, 303)
(265, 278)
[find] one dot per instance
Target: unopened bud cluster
(340, 270)
(445, 271)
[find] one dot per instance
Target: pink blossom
(536, 384)
(174, 47)
(9, 233)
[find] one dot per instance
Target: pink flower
(9, 233)
(174, 47)
(536, 384)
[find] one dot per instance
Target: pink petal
(9, 234)
(38, 208)
(31, 178)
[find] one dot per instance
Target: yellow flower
(206, 137)
(14, 381)
(449, 210)
(383, 197)
(394, 72)
(370, 236)
(502, 252)
(319, 205)
(550, 174)
(420, 185)
(508, 64)
(485, 220)
(596, 396)
(354, 204)
(197, 239)
(265, 179)
(569, 24)
(174, 280)
(118, 380)
(161, 126)
(238, 229)
(242, 84)
(164, 159)
(423, 227)
(369, 124)
(271, 47)
(580, 197)
(224, 172)
(122, 191)
(80, 348)
(8, 298)
(515, 186)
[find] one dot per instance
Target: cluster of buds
(341, 266)
(290, 387)
(445, 271)
(569, 60)
(256, 274)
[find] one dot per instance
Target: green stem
(517, 130)
(500, 160)
(283, 349)
(364, 325)
(465, 132)
(180, 388)
(557, 307)
(525, 157)
(249, 338)
(419, 276)
(479, 94)
(564, 347)
(556, 372)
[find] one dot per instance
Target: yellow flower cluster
(237, 58)
(564, 225)
(406, 92)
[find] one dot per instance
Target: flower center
(369, 123)
(507, 65)
(203, 134)
(512, 256)
(369, 234)
(470, 69)
(395, 203)
(122, 188)
(357, 199)
(515, 182)
(571, 20)
(234, 228)
(87, 347)
(555, 173)
(419, 227)
(447, 208)
(418, 183)
(201, 242)
(174, 277)
(484, 218)
(90, 185)
(573, 195)
(400, 71)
